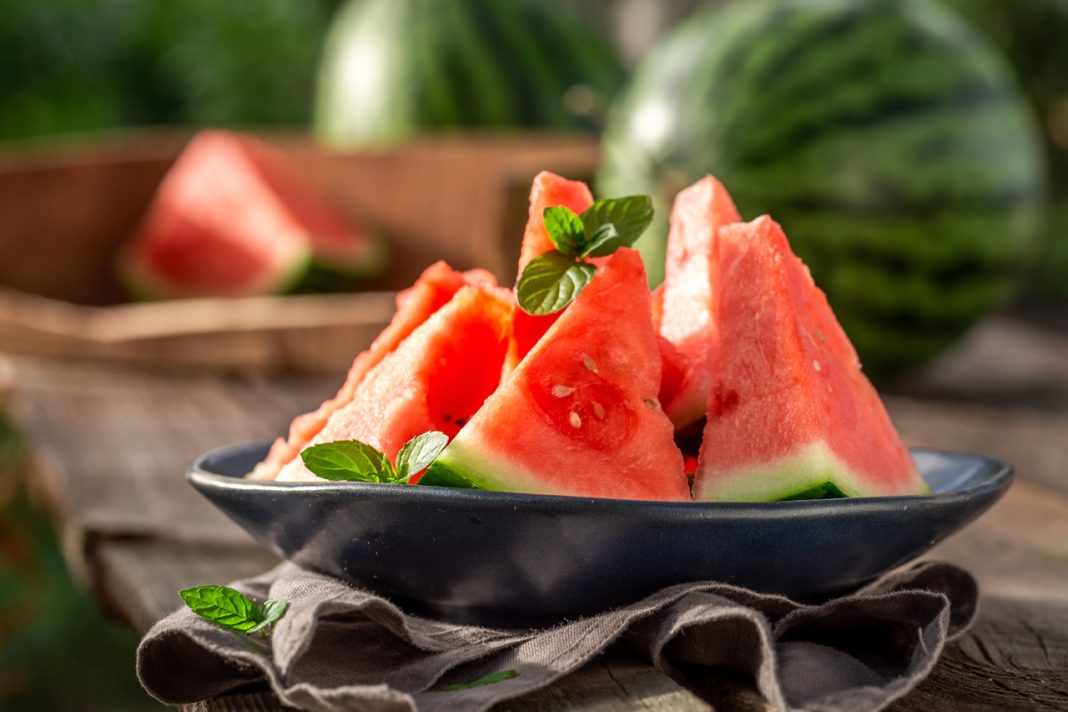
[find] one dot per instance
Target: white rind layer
(466, 454)
(811, 466)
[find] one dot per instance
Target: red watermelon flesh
(548, 190)
(657, 306)
(790, 414)
(435, 379)
(578, 416)
(673, 369)
(689, 275)
(434, 288)
(674, 364)
(229, 220)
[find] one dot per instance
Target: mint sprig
(419, 452)
(565, 228)
(232, 609)
(353, 461)
(552, 281)
(615, 223)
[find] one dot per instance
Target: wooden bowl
(66, 211)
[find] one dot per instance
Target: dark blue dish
(499, 558)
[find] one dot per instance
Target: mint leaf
(419, 452)
(273, 610)
(486, 680)
(565, 229)
(224, 606)
(551, 281)
(348, 460)
(615, 222)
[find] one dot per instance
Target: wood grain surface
(111, 446)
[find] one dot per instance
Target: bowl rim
(992, 476)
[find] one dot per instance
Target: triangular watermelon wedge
(230, 219)
(434, 288)
(548, 190)
(686, 312)
(434, 380)
(790, 414)
(579, 415)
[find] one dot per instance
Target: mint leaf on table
(565, 229)
(552, 281)
(419, 452)
(348, 460)
(486, 680)
(353, 461)
(615, 222)
(224, 606)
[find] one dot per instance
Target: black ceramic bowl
(500, 558)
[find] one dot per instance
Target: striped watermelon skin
(392, 69)
(886, 136)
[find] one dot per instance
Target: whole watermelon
(1033, 35)
(392, 69)
(885, 135)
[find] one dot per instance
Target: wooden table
(110, 447)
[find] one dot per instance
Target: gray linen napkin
(339, 647)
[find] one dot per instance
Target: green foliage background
(72, 65)
(1033, 35)
(57, 652)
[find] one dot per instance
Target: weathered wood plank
(1019, 549)
(1014, 658)
(113, 445)
(138, 579)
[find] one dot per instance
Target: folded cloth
(340, 647)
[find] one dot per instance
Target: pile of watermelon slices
(732, 381)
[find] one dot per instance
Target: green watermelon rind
(464, 465)
(813, 468)
(442, 474)
(138, 282)
(370, 260)
(525, 52)
(332, 275)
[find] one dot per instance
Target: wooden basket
(65, 213)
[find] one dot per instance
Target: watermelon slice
(548, 190)
(578, 416)
(434, 288)
(686, 313)
(229, 220)
(790, 414)
(435, 379)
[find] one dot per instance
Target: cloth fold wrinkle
(341, 647)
